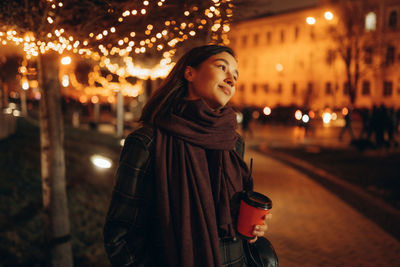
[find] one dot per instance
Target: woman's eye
(222, 67)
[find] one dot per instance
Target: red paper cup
(253, 208)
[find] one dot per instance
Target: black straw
(251, 167)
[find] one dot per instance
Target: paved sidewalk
(313, 227)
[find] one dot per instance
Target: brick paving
(313, 227)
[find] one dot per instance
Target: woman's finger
(259, 230)
(253, 240)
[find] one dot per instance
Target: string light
(162, 39)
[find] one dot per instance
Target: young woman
(180, 175)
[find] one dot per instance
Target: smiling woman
(214, 81)
(181, 174)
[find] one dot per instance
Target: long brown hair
(174, 88)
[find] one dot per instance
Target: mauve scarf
(198, 174)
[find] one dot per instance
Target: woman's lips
(226, 90)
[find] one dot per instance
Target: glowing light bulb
(66, 60)
(25, 85)
(310, 20)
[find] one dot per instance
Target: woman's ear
(189, 73)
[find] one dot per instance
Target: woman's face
(213, 80)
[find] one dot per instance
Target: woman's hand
(259, 230)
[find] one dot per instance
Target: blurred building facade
(296, 57)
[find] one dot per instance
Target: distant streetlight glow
(94, 99)
(101, 162)
(279, 67)
(16, 113)
(305, 118)
(267, 111)
(25, 85)
(328, 15)
(326, 117)
(66, 60)
(298, 114)
(310, 20)
(122, 142)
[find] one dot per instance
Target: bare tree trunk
(53, 163)
(120, 114)
(5, 95)
(24, 109)
(1, 94)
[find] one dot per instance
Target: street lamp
(328, 15)
(310, 20)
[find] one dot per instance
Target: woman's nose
(230, 80)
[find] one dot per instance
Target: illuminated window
(368, 55)
(280, 88)
(328, 88)
(255, 39)
(393, 19)
(366, 88)
(296, 33)
(254, 88)
(370, 21)
(266, 88)
(330, 56)
(269, 37)
(244, 41)
(390, 52)
(387, 88)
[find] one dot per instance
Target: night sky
(280, 5)
(254, 8)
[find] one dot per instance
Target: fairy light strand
(164, 39)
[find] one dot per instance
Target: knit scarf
(198, 177)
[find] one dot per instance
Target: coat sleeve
(124, 230)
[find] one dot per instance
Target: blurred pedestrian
(390, 127)
(366, 129)
(380, 125)
(180, 176)
(247, 117)
(348, 126)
